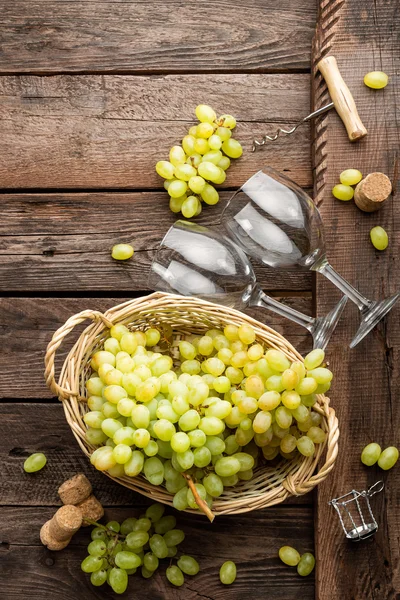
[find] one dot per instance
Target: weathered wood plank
(109, 131)
(27, 325)
(55, 241)
(251, 540)
(140, 37)
(33, 427)
(364, 37)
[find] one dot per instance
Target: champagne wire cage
(271, 484)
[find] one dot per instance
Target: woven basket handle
(331, 453)
(56, 342)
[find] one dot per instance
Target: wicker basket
(270, 485)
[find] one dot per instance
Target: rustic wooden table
(92, 94)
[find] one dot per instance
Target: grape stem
(109, 531)
(199, 501)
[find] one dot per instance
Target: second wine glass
(197, 261)
(272, 219)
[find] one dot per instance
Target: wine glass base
(372, 317)
(324, 326)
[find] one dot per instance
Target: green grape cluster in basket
(200, 162)
(202, 421)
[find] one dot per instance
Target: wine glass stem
(259, 298)
(361, 301)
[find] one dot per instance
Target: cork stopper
(66, 522)
(372, 192)
(49, 541)
(75, 490)
(91, 509)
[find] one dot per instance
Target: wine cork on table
(50, 542)
(372, 192)
(66, 521)
(90, 508)
(75, 490)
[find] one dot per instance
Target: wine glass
(197, 261)
(271, 218)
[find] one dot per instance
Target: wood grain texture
(364, 37)
(82, 132)
(59, 241)
(172, 36)
(42, 427)
(252, 541)
(27, 325)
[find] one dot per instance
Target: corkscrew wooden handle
(342, 98)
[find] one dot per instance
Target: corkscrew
(342, 100)
(281, 131)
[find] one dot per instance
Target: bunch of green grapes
(200, 162)
(118, 550)
(206, 424)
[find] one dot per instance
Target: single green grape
(289, 556)
(215, 142)
(127, 560)
(306, 564)
(370, 454)
(197, 185)
(97, 548)
(305, 446)
(177, 155)
(388, 458)
(188, 565)
(205, 113)
(150, 561)
(232, 148)
(190, 207)
(97, 578)
(227, 572)
(158, 546)
(175, 576)
(201, 146)
(379, 238)
(350, 177)
(343, 192)
(376, 80)
(122, 251)
(188, 145)
(165, 169)
(226, 121)
(174, 537)
(155, 512)
(210, 195)
(118, 579)
(90, 564)
(35, 462)
(127, 525)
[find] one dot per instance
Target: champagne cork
(66, 522)
(372, 192)
(91, 509)
(50, 542)
(75, 490)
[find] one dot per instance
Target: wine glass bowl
(275, 222)
(193, 260)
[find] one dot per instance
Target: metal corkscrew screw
(356, 525)
(280, 131)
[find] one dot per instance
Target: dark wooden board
(27, 325)
(26, 565)
(82, 132)
(59, 241)
(173, 36)
(364, 37)
(33, 427)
